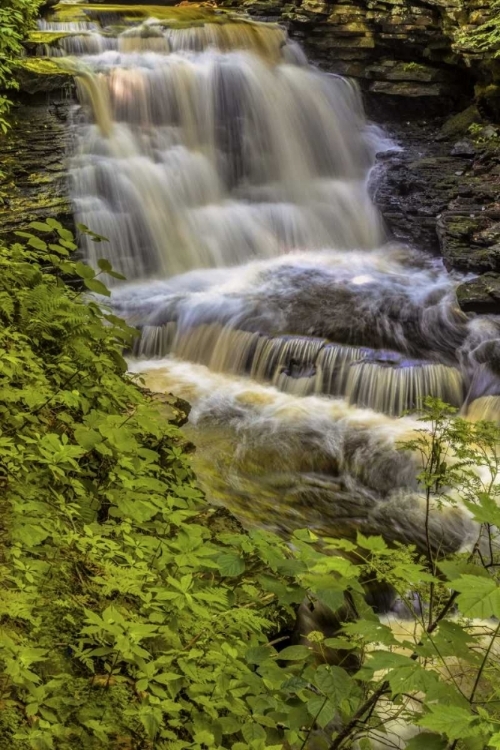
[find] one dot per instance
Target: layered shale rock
(427, 50)
(33, 159)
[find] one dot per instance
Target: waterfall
(231, 180)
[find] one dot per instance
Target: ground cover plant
(134, 615)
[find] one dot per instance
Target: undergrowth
(135, 616)
(17, 18)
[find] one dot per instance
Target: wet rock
(442, 203)
(488, 236)
(463, 148)
(36, 75)
(481, 295)
(489, 132)
(465, 243)
(415, 186)
(33, 158)
(459, 124)
(407, 89)
(493, 211)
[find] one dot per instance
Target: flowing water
(232, 182)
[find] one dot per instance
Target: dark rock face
(33, 158)
(445, 199)
(481, 295)
(396, 49)
(38, 75)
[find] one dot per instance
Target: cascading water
(231, 180)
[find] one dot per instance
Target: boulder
(480, 295)
(463, 148)
(41, 75)
(467, 243)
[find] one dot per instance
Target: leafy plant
(484, 38)
(134, 615)
(17, 17)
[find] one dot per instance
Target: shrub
(17, 17)
(134, 615)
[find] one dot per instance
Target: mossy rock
(46, 37)
(481, 295)
(35, 75)
(460, 123)
(133, 14)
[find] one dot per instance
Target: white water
(231, 180)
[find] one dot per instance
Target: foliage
(135, 616)
(17, 17)
(484, 38)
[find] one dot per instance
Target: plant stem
(367, 705)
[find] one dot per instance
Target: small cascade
(69, 27)
(383, 381)
(266, 40)
(289, 462)
(82, 38)
(397, 390)
(484, 408)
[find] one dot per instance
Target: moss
(38, 178)
(483, 39)
(43, 66)
(459, 124)
(41, 74)
(413, 66)
(47, 37)
(186, 15)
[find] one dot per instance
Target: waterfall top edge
(83, 11)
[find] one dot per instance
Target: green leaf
(333, 682)
(37, 243)
(165, 677)
(452, 721)
(230, 565)
(454, 568)
(294, 653)
(104, 265)
(486, 510)
(40, 226)
(427, 741)
(229, 724)
(97, 286)
(65, 234)
(204, 737)
(151, 719)
(252, 732)
(86, 438)
(372, 543)
(54, 224)
(259, 654)
(117, 275)
(84, 271)
(332, 598)
(479, 597)
(321, 709)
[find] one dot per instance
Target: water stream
(232, 181)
